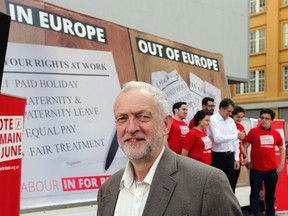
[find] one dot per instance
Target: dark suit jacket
(181, 186)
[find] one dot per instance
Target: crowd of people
(179, 169)
(219, 139)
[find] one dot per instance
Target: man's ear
(167, 124)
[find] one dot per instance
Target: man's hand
(245, 161)
(280, 168)
(241, 135)
(236, 165)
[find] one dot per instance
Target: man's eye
(121, 119)
(144, 118)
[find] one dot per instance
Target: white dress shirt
(224, 135)
(133, 195)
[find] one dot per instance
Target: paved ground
(246, 212)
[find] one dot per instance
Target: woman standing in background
(197, 144)
(237, 115)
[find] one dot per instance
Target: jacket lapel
(109, 200)
(163, 185)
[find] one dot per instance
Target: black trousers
(225, 162)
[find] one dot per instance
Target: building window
(254, 85)
(285, 35)
(255, 113)
(257, 41)
(285, 79)
(283, 114)
(257, 6)
(261, 79)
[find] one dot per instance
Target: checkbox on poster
(18, 124)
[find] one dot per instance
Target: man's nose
(132, 125)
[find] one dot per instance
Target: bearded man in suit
(157, 181)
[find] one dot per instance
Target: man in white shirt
(225, 141)
(157, 181)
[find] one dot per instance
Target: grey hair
(159, 97)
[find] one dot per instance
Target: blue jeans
(270, 180)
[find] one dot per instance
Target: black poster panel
(4, 33)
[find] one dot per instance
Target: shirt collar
(267, 129)
(128, 175)
(219, 117)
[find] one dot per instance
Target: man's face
(140, 128)
(265, 120)
(225, 113)
(209, 107)
(182, 112)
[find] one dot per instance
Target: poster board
(70, 67)
(197, 69)
(5, 25)
(70, 81)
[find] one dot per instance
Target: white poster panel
(204, 89)
(176, 90)
(213, 92)
(197, 85)
(69, 121)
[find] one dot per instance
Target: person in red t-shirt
(237, 115)
(179, 127)
(197, 144)
(208, 104)
(263, 166)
